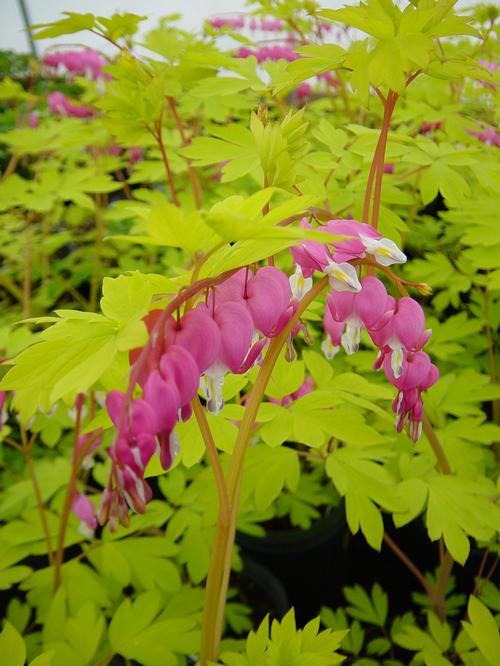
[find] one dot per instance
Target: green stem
(436, 445)
(492, 365)
(218, 579)
(78, 456)
(442, 581)
(26, 451)
(98, 242)
(27, 267)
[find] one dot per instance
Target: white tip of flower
(385, 251)
(85, 530)
(397, 362)
(351, 338)
(174, 444)
(211, 384)
(343, 277)
(415, 430)
(88, 462)
(329, 349)
(299, 284)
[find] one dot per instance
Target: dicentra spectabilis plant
(265, 222)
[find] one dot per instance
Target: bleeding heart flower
(163, 398)
(299, 284)
(334, 330)
(179, 368)
(306, 387)
(404, 330)
(310, 255)
(417, 375)
(352, 247)
(236, 330)
(137, 427)
(113, 508)
(268, 295)
(83, 509)
(198, 333)
(364, 308)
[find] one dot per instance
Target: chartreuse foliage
(430, 639)
(230, 142)
(283, 643)
(13, 649)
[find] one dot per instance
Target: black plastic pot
(262, 590)
(259, 588)
(302, 559)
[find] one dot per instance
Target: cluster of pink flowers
(224, 334)
(82, 63)
(488, 136)
(267, 25)
(303, 91)
(395, 327)
(428, 127)
(134, 153)
(329, 78)
(306, 387)
(238, 22)
(274, 52)
(235, 23)
(61, 106)
(491, 66)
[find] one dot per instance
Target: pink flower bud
(83, 508)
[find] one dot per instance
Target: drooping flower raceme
(235, 23)
(84, 62)
(417, 375)
(398, 330)
(61, 106)
(225, 334)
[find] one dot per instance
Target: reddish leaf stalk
(26, 451)
(159, 138)
(377, 166)
(409, 564)
(192, 173)
(78, 456)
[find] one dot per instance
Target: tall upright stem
(28, 242)
(68, 498)
(390, 104)
(218, 578)
(26, 451)
(377, 165)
